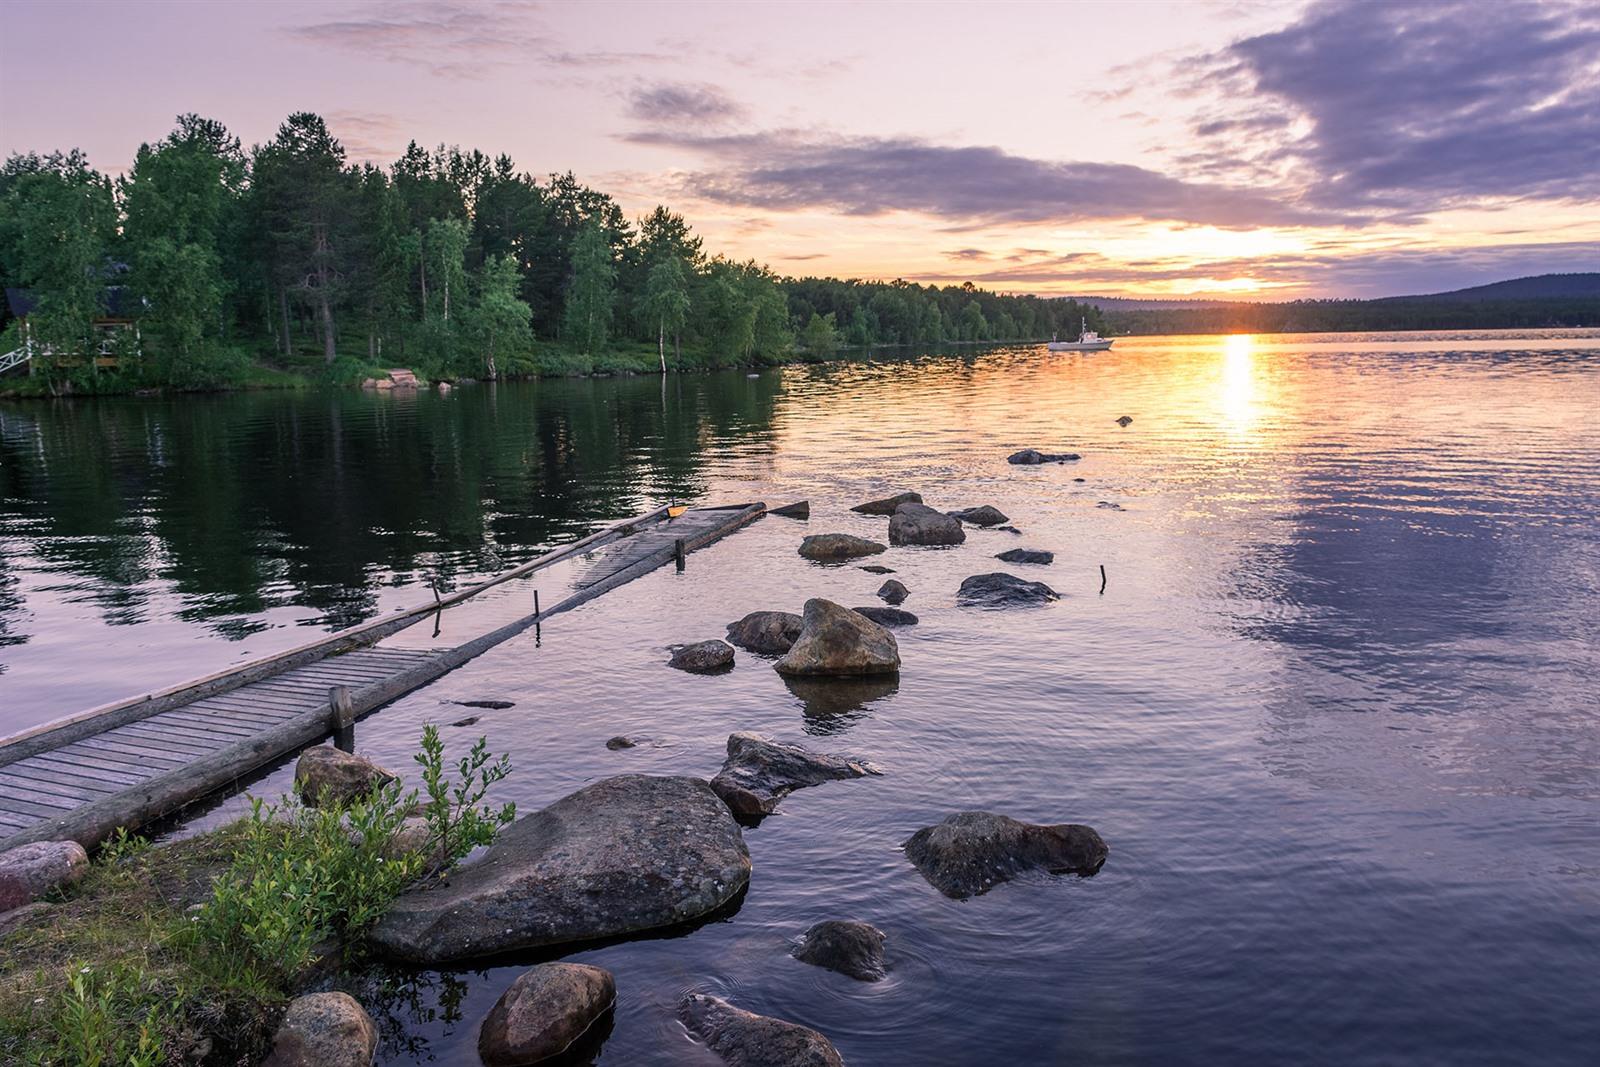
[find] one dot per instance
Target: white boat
(1088, 341)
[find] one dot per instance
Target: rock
(1030, 457)
(1000, 590)
(971, 852)
(800, 509)
(745, 1039)
(1025, 555)
(17, 918)
(838, 547)
(491, 705)
(758, 773)
(545, 1012)
(887, 616)
(918, 524)
(702, 657)
(770, 633)
(412, 835)
(623, 855)
(470, 720)
(893, 592)
(851, 948)
(324, 1030)
(1080, 479)
(877, 568)
(1125, 420)
(1009, 529)
(1109, 506)
(985, 515)
(28, 872)
(616, 744)
(888, 504)
(325, 774)
(837, 641)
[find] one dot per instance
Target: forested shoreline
(209, 265)
(1339, 316)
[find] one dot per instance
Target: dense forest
(208, 265)
(1552, 300)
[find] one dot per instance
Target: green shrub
(458, 822)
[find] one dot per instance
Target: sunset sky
(1236, 148)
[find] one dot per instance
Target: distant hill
(1547, 300)
(1537, 287)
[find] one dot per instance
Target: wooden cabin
(117, 307)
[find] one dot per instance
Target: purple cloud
(679, 102)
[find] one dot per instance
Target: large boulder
(28, 872)
(1003, 590)
(838, 547)
(984, 515)
(623, 855)
(837, 641)
(887, 616)
(545, 1012)
(887, 505)
(745, 1039)
(327, 775)
(758, 773)
(918, 524)
(702, 657)
(324, 1030)
(1025, 555)
(971, 852)
(851, 948)
(770, 633)
(893, 592)
(1031, 457)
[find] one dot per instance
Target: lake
(1336, 712)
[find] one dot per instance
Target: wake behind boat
(1088, 341)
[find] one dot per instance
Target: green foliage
(457, 819)
(90, 1021)
(589, 295)
(498, 323)
(819, 338)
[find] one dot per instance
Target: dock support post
(342, 718)
(1102, 579)
(678, 553)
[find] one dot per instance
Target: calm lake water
(1337, 712)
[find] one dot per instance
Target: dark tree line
(1337, 316)
(451, 262)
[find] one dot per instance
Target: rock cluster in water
(971, 852)
(893, 592)
(758, 773)
(703, 657)
(545, 1012)
(745, 1039)
(918, 524)
(1031, 457)
(1003, 590)
(888, 504)
(325, 774)
(986, 515)
(770, 633)
(324, 1030)
(887, 616)
(1025, 555)
(623, 855)
(836, 641)
(851, 948)
(838, 547)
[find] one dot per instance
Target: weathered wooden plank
(12, 824)
(137, 752)
(187, 719)
(254, 717)
(172, 737)
(15, 785)
(77, 779)
(111, 772)
(35, 807)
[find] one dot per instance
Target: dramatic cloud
(1411, 107)
(790, 170)
(678, 102)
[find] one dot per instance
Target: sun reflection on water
(1236, 398)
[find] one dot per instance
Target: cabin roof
(116, 302)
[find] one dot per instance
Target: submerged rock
(887, 616)
(984, 515)
(1002, 590)
(325, 774)
(623, 855)
(1030, 457)
(877, 568)
(837, 547)
(800, 509)
(971, 852)
(837, 641)
(851, 948)
(491, 705)
(745, 1039)
(759, 773)
(545, 1012)
(324, 1030)
(918, 524)
(620, 742)
(702, 657)
(470, 720)
(893, 591)
(770, 633)
(28, 872)
(1109, 506)
(1025, 555)
(887, 505)
(1125, 420)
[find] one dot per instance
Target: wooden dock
(133, 761)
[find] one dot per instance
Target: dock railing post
(678, 553)
(342, 718)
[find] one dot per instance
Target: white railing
(15, 358)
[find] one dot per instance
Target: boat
(1088, 341)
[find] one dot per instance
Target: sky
(1222, 149)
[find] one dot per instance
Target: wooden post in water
(678, 553)
(342, 718)
(1102, 579)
